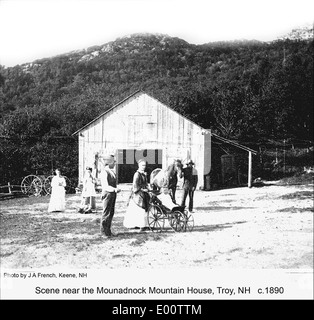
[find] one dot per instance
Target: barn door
(127, 162)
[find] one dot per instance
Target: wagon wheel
(155, 218)
(31, 185)
(47, 185)
(177, 221)
(189, 221)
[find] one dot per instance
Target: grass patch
(299, 195)
(299, 179)
(296, 210)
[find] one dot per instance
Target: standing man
(108, 195)
(189, 184)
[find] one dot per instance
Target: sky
(35, 29)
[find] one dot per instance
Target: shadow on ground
(216, 227)
(220, 208)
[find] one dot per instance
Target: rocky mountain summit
(302, 33)
(135, 43)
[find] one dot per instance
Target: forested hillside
(249, 91)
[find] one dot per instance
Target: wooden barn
(141, 126)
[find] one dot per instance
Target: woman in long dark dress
(136, 213)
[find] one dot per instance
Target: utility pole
(284, 157)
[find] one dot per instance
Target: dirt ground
(266, 227)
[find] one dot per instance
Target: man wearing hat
(108, 195)
(189, 184)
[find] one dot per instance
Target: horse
(167, 178)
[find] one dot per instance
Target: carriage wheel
(31, 185)
(155, 218)
(47, 185)
(189, 221)
(177, 221)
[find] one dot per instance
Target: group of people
(136, 213)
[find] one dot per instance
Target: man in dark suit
(189, 184)
(108, 195)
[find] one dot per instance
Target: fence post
(9, 187)
(250, 170)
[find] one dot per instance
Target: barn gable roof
(128, 97)
(206, 131)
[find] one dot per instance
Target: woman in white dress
(88, 192)
(136, 212)
(57, 199)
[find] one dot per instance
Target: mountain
(249, 91)
(134, 43)
(130, 44)
(183, 75)
(301, 33)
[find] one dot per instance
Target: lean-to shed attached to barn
(141, 126)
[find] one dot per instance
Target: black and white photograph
(156, 150)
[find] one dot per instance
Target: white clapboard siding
(143, 122)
